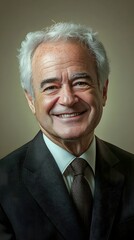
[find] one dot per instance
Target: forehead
(62, 60)
(72, 50)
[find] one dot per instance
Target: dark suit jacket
(35, 204)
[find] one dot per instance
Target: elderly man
(66, 183)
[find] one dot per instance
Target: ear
(30, 101)
(104, 92)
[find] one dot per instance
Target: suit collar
(108, 189)
(44, 181)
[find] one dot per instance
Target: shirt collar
(63, 158)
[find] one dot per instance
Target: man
(64, 73)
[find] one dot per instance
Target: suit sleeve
(6, 231)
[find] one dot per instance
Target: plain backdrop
(113, 20)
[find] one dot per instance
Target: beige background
(114, 20)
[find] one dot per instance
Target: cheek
(44, 105)
(95, 105)
(91, 100)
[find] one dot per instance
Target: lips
(69, 115)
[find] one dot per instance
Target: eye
(50, 89)
(81, 84)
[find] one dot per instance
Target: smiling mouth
(70, 115)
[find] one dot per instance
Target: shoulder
(10, 170)
(115, 156)
(117, 151)
(12, 161)
(18, 155)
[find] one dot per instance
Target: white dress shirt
(63, 158)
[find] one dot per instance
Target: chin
(71, 136)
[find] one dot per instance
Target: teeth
(68, 115)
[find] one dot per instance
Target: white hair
(61, 31)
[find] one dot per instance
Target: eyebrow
(73, 77)
(81, 75)
(49, 80)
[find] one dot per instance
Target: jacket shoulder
(119, 152)
(17, 156)
(15, 159)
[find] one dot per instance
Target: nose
(67, 96)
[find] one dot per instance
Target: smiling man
(66, 183)
(68, 100)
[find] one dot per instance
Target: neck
(75, 146)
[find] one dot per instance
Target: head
(64, 73)
(54, 33)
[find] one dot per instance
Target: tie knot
(78, 166)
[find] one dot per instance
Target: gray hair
(61, 31)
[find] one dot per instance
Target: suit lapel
(108, 189)
(45, 183)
